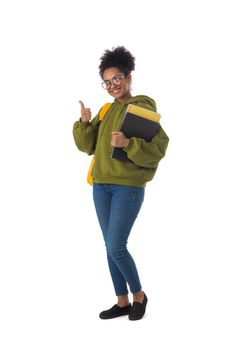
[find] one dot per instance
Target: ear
(129, 78)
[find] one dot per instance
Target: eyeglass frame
(110, 81)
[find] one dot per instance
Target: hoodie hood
(142, 100)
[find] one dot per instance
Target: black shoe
(115, 311)
(138, 309)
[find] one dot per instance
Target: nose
(112, 85)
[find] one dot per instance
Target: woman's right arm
(85, 131)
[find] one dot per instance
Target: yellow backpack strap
(102, 114)
(89, 177)
(104, 110)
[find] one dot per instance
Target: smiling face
(117, 84)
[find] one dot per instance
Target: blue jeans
(117, 207)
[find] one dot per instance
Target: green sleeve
(85, 135)
(147, 154)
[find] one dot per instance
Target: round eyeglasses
(115, 80)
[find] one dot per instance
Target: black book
(137, 122)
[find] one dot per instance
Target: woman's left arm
(147, 154)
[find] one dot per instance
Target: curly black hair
(118, 57)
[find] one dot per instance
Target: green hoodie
(95, 138)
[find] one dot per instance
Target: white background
(54, 276)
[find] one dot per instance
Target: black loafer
(115, 311)
(138, 309)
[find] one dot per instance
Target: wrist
(126, 148)
(82, 121)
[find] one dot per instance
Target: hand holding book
(119, 140)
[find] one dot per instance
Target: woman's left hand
(119, 140)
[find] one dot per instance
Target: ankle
(123, 300)
(139, 296)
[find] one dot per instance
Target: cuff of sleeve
(80, 125)
(126, 149)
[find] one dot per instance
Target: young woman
(118, 189)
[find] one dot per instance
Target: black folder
(137, 122)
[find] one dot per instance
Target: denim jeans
(117, 207)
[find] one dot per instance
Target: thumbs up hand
(85, 113)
